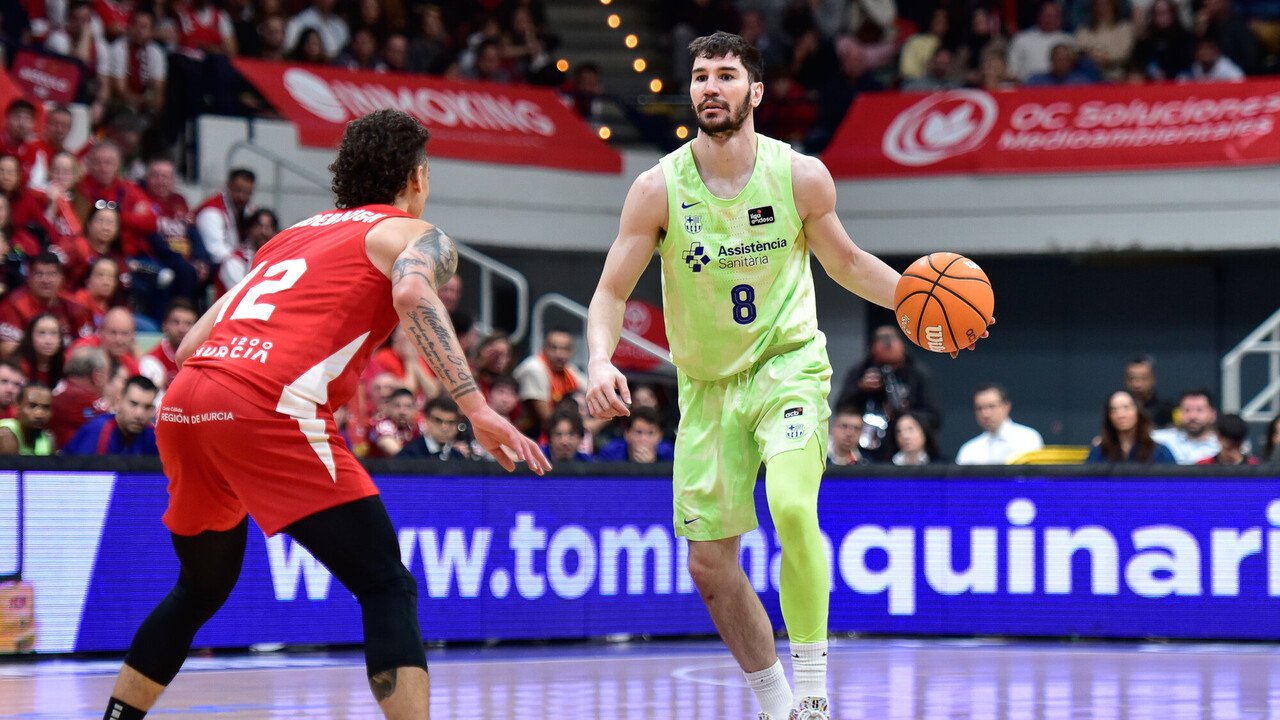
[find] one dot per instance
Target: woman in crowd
(41, 350)
(915, 443)
(1126, 435)
(23, 207)
(101, 288)
(101, 239)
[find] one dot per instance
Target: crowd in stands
(145, 67)
(887, 413)
(819, 56)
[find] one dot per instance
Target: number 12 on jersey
(744, 304)
(249, 306)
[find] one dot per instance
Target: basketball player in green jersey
(734, 215)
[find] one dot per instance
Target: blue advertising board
(503, 557)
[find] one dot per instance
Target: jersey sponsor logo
(240, 348)
(696, 257)
(760, 216)
(177, 415)
(795, 431)
(749, 254)
(793, 412)
(693, 224)
(686, 206)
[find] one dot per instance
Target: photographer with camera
(886, 384)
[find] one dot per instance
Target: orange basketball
(943, 302)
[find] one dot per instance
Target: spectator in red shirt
(19, 133)
(117, 336)
(76, 401)
(101, 288)
(11, 382)
(24, 208)
(42, 294)
(57, 126)
(160, 364)
(1233, 433)
(139, 67)
(222, 216)
(40, 352)
(396, 426)
(101, 238)
(60, 216)
(173, 247)
(102, 181)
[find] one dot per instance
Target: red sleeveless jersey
(298, 330)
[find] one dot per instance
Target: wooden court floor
(885, 680)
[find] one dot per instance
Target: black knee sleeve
(210, 567)
(392, 637)
(358, 544)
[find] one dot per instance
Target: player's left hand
(986, 333)
(505, 443)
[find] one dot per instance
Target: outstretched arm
(425, 264)
(857, 270)
(643, 218)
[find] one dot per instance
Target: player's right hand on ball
(607, 393)
(505, 443)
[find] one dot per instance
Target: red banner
(508, 124)
(644, 319)
(1094, 128)
(46, 77)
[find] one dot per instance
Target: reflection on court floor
(893, 680)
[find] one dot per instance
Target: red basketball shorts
(226, 455)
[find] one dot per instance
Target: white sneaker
(811, 708)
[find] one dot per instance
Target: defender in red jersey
(246, 427)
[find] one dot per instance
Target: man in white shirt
(1002, 438)
(1195, 436)
(548, 377)
(320, 16)
(1212, 66)
(1029, 51)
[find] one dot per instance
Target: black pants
(355, 541)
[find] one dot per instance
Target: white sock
(809, 662)
(771, 689)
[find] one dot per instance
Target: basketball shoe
(811, 708)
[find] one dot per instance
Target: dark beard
(727, 127)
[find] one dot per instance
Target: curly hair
(378, 154)
(723, 44)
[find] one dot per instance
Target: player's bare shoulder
(811, 185)
(646, 205)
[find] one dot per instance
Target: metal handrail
(1264, 340)
(278, 163)
(575, 308)
(489, 267)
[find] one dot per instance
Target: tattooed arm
(419, 258)
(426, 264)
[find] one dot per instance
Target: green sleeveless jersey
(736, 283)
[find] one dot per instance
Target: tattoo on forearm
(383, 684)
(434, 335)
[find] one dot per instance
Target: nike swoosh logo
(687, 522)
(686, 206)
